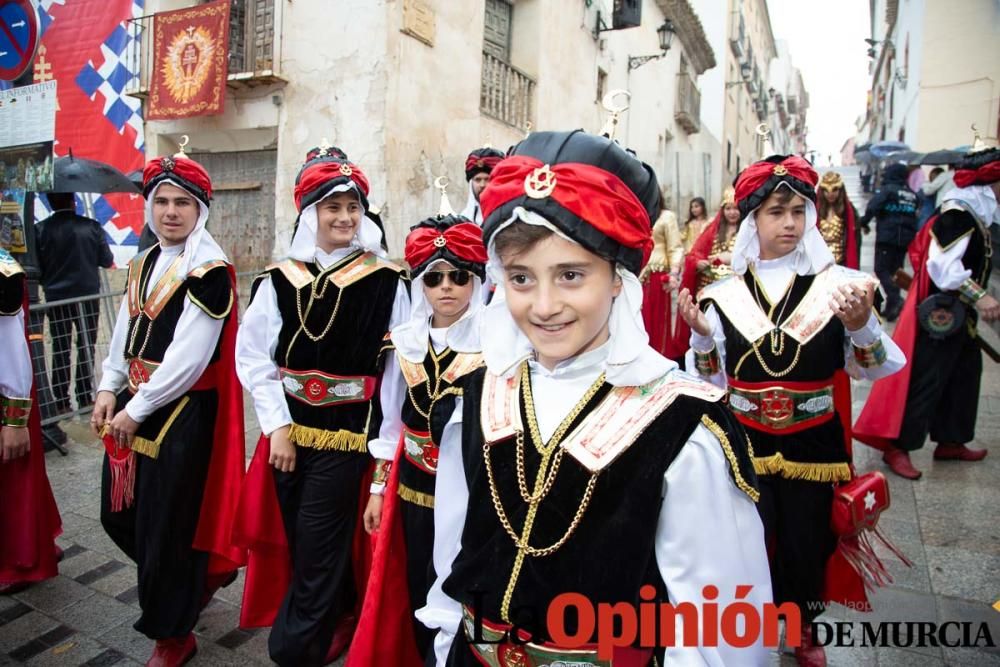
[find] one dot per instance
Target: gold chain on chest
(313, 296)
(544, 479)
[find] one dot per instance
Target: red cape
(259, 529)
(702, 248)
(225, 469)
(881, 418)
(29, 518)
(384, 635)
(656, 312)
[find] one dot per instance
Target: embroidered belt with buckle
(420, 450)
(497, 651)
(785, 408)
(140, 370)
(320, 389)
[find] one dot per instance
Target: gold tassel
(813, 472)
(415, 497)
(318, 438)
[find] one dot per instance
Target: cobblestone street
(944, 522)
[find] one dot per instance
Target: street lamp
(746, 70)
(665, 34)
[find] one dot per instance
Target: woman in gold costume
(837, 217)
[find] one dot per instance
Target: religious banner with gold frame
(190, 56)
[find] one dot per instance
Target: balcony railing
(507, 93)
(252, 50)
(688, 111)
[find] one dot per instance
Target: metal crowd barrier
(70, 339)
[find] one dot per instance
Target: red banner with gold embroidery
(190, 52)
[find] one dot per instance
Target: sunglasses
(459, 277)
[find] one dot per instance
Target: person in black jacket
(894, 207)
(70, 248)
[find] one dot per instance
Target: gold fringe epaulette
(318, 438)
(776, 464)
(415, 497)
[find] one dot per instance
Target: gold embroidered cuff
(15, 411)
(971, 290)
(381, 474)
(707, 363)
(872, 356)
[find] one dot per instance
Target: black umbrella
(136, 178)
(911, 158)
(74, 174)
(944, 156)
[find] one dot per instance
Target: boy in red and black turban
(171, 412)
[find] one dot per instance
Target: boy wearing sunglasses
(309, 352)
(434, 350)
(580, 460)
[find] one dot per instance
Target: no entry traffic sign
(18, 37)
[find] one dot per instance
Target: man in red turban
(478, 166)
(171, 413)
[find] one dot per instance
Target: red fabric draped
(384, 635)
(851, 254)
(259, 528)
(225, 470)
(881, 418)
(656, 312)
(589, 192)
(464, 240)
(680, 341)
(29, 518)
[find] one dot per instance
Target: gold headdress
(729, 196)
(831, 181)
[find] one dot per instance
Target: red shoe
(958, 453)
(173, 652)
(898, 461)
(808, 654)
(342, 637)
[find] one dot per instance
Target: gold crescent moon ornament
(608, 102)
(978, 145)
(441, 183)
(764, 132)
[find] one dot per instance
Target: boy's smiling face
(560, 295)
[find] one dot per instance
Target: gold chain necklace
(544, 479)
(312, 297)
(776, 336)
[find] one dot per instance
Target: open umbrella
(910, 158)
(74, 174)
(944, 156)
(882, 149)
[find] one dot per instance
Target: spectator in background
(928, 200)
(894, 207)
(939, 184)
(70, 249)
(696, 222)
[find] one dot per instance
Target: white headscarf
(368, 236)
(631, 361)
(473, 211)
(410, 338)
(199, 246)
(811, 255)
(980, 199)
